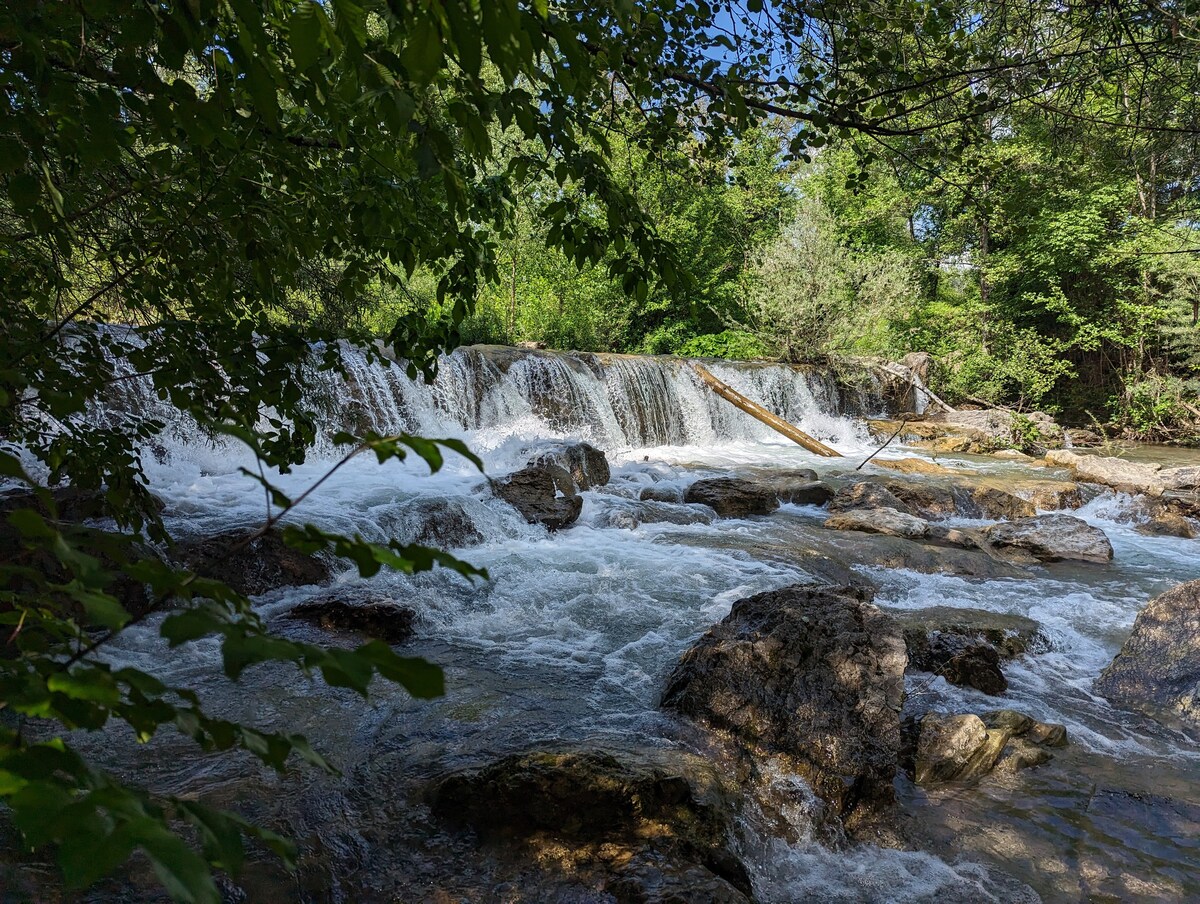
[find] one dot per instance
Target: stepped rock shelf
(709, 664)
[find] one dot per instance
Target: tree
(196, 170)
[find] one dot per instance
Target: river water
(571, 639)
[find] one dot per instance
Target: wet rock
(1157, 671)
(1187, 478)
(1009, 635)
(544, 495)
(799, 491)
(1079, 437)
(441, 523)
(630, 515)
(1052, 495)
(642, 830)
(72, 505)
(584, 462)
(879, 521)
(882, 551)
(733, 497)
(1052, 538)
(977, 666)
(809, 673)
(866, 495)
(912, 466)
(371, 614)
(252, 566)
(1167, 524)
(963, 747)
(955, 748)
(661, 494)
(1121, 475)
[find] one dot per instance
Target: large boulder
(1167, 524)
(811, 674)
(1051, 538)
(932, 501)
(940, 747)
(1118, 473)
(639, 829)
(251, 563)
(372, 614)
(584, 462)
(733, 497)
(543, 494)
(866, 494)
(1157, 671)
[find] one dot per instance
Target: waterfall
(613, 401)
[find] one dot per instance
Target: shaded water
(572, 638)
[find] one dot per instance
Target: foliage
(734, 344)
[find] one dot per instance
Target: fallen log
(778, 424)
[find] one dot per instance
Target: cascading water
(570, 641)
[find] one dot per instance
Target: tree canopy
(235, 181)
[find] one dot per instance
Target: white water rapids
(571, 639)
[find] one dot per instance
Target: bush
(733, 344)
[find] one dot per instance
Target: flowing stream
(571, 639)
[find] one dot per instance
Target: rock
(72, 505)
(252, 566)
(912, 466)
(879, 521)
(661, 494)
(1009, 635)
(639, 830)
(1157, 671)
(963, 747)
(1012, 455)
(543, 494)
(1122, 475)
(630, 515)
(918, 363)
(990, 502)
(1167, 524)
(955, 748)
(364, 613)
(733, 497)
(813, 674)
(1179, 478)
(955, 443)
(442, 523)
(977, 666)
(1052, 538)
(1052, 495)
(1004, 428)
(1079, 437)
(798, 491)
(584, 462)
(866, 495)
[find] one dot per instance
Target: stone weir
(614, 400)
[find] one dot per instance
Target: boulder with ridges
(543, 494)
(879, 521)
(809, 673)
(1051, 538)
(372, 614)
(940, 747)
(251, 563)
(1157, 670)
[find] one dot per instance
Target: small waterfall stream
(571, 640)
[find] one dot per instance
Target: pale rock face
(1051, 538)
(1129, 476)
(1157, 671)
(880, 521)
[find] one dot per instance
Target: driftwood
(727, 392)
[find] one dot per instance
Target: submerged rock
(661, 494)
(1009, 635)
(543, 494)
(252, 566)
(941, 747)
(1157, 671)
(629, 515)
(647, 830)
(932, 501)
(813, 674)
(1167, 524)
(1052, 538)
(912, 466)
(733, 497)
(585, 463)
(442, 523)
(372, 614)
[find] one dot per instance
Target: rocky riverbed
(710, 667)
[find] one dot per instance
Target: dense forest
(216, 196)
